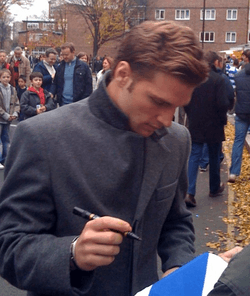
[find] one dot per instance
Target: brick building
(226, 23)
(38, 35)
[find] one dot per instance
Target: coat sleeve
(27, 71)
(3, 113)
(32, 257)
(16, 104)
(50, 105)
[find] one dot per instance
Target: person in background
(244, 59)
(232, 71)
(73, 79)
(46, 67)
(204, 161)
(242, 118)
(36, 100)
(83, 57)
(9, 110)
(97, 64)
(206, 114)
(21, 88)
(20, 65)
(106, 66)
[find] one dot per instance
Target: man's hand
(169, 271)
(11, 118)
(227, 256)
(98, 245)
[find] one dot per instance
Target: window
(208, 36)
(248, 36)
(137, 17)
(31, 26)
(232, 14)
(210, 14)
(48, 26)
(35, 37)
(182, 14)
(160, 14)
(231, 37)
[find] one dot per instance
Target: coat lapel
(156, 152)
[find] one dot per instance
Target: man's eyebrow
(159, 100)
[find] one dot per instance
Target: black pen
(87, 215)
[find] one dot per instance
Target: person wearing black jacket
(206, 113)
(73, 79)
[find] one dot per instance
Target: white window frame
(182, 14)
(230, 34)
(208, 13)
(209, 34)
(160, 14)
(230, 13)
(248, 36)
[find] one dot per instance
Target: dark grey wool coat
(83, 155)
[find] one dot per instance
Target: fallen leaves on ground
(239, 219)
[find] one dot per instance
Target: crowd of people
(38, 86)
(117, 153)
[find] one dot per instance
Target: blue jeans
(205, 156)
(241, 128)
(214, 151)
(5, 141)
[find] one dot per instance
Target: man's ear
(122, 74)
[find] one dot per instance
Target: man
(242, 118)
(244, 59)
(20, 65)
(207, 116)
(46, 67)
(73, 79)
(116, 154)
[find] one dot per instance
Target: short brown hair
(35, 74)
(69, 45)
(4, 71)
(166, 47)
(82, 54)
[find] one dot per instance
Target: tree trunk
(95, 41)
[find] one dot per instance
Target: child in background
(36, 100)
(21, 88)
(9, 109)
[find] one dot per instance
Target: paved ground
(207, 220)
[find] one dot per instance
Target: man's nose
(166, 116)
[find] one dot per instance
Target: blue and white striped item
(196, 278)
